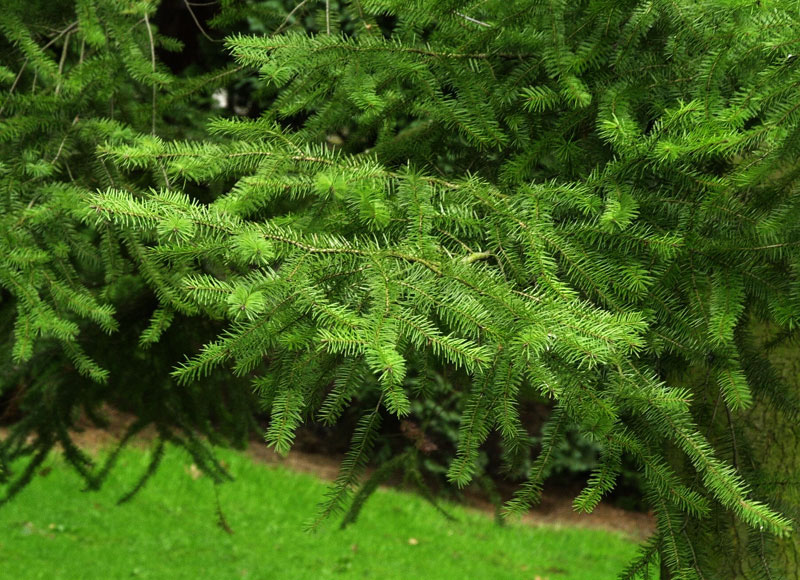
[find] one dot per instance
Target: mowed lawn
(169, 531)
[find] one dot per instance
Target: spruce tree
(592, 201)
(78, 306)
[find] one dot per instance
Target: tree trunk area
(777, 450)
(763, 442)
(774, 436)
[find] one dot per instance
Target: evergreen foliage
(77, 75)
(589, 201)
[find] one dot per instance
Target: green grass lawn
(169, 531)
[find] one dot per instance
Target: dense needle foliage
(593, 201)
(77, 75)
